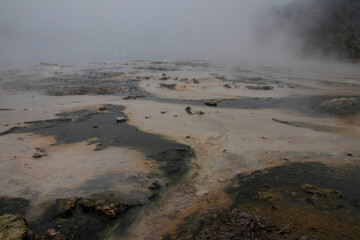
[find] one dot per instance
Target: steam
(90, 30)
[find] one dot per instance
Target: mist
(111, 30)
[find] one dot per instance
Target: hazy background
(106, 30)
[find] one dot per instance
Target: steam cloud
(91, 30)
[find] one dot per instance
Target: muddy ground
(180, 150)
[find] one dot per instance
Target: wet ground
(108, 150)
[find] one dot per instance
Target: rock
(188, 110)
(195, 81)
(266, 87)
(37, 155)
(148, 116)
(163, 112)
(321, 192)
(187, 136)
(132, 97)
(154, 186)
(129, 98)
(212, 103)
(227, 85)
(350, 155)
(102, 108)
(121, 119)
(199, 112)
(170, 86)
(111, 210)
(95, 126)
(13, 227)
(53, 234)
(66, 205)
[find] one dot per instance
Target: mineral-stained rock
(55, 235)
(321, 192)
(13, 227)
(111, 210)
(66, 205)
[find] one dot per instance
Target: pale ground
(226, 141)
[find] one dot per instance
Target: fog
(111, 30)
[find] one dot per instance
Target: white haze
(111, 30)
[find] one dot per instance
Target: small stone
(187, 136)
(212, 103)
(95, 126)
(51, 232)
(37, 155)
(188, 110)
(102, 108)
(120, 119)
(350, 155)
(148, 116)
(163, 112)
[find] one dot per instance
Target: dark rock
(227, 85)
(260, 87)
(133, 97)
(154, 186)
(188, 110)
(212, 103)
(111, 210)
(102, 108)
(350, 155)
(55, 235)
(195, 81)
(170, 86)
(66, 205)
(95, 126)
(121, 119)
(38, 155)
(163, 112)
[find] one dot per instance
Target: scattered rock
(111, 210)
(240, 225)
(188, 110)
(187, 136)
(266, 87)
(53, 234)
(154, 186)
(95, 126)
(38, 155)
(163, 112)
(66, 205)
(170, 86)
(212, 103)
(350, 155)
(102, 108)
(227, 85)
(280, 121)
(121, 119)
(199, 112)
(13, 227)
(195, 81)
(148, 116)
(133, 97)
